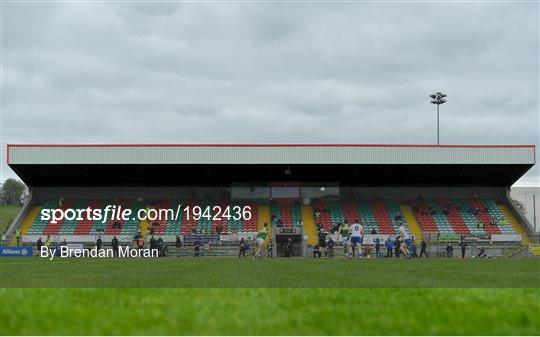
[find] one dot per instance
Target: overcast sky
(270, 73)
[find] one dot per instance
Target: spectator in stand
(423, 247)
(99, 243)
(449, 250)
(61, 202)
(114, 245)
(389, 247)
(463, 246)
(480, 224)
(373, 231)
(270, 249)
(178, 245)
(377, 248)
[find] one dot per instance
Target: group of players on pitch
(351, 237)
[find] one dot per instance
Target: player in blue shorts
(404, 239)
(357, 236)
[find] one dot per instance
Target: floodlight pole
(438, 98)
(438, 125)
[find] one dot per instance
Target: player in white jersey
(404, 238)
(357, 236)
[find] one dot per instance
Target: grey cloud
(272, 72)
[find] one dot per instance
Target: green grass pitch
(280, 296)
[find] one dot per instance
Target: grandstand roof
(269, 154)
(65, 163)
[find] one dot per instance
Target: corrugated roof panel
(269, 154)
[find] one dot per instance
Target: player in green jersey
(344, 231)
(261, 237)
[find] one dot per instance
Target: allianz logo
(11, 251)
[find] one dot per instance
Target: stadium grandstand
(441, 193)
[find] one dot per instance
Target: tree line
(12, 192)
